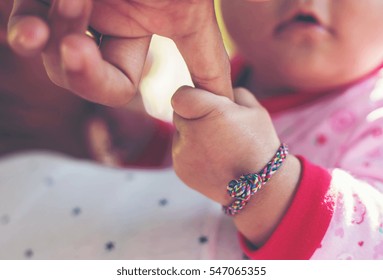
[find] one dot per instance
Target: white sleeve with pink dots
(356, 229)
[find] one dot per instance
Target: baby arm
(218, 141)
(304, 211)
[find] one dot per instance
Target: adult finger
(206, 57)
(110, 78)
(108, 74)
(69, 16)
(28, 32)
(66, 17)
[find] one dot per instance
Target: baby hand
(218, 140)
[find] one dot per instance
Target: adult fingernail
(71, 58)
(70, 8)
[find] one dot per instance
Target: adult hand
(110, 74)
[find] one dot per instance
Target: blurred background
(168, 72)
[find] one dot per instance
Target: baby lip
(303, 18)
(306, 18)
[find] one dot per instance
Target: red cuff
(305, 223)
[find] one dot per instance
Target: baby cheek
(362, 37)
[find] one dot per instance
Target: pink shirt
(337, 212)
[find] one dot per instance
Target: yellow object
(226, 38)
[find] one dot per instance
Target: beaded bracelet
(243, 188)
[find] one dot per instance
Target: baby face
(306, 45)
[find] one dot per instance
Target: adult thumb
(193, 103)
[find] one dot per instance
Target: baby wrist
(247, 185)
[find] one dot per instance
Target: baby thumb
(192, 103)
(245, 98)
